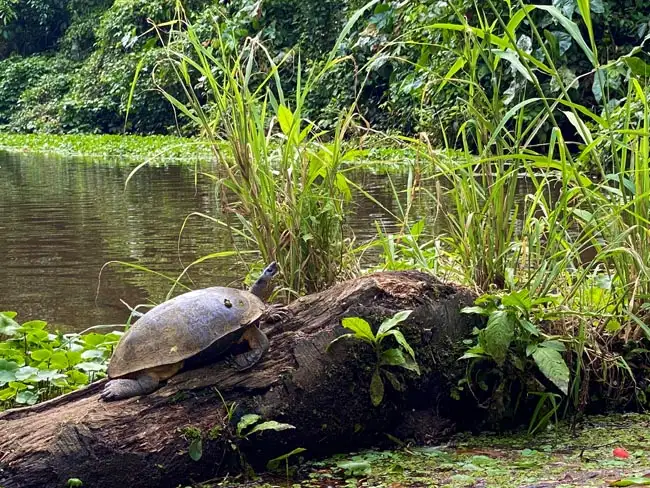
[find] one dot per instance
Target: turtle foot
(258, 343)
(126, 388)
(277, 313)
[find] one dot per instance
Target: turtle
(193, 328)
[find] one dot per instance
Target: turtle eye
(227, 303)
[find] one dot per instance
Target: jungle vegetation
(482, 95)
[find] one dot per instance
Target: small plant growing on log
(195, 436)
(402, 355)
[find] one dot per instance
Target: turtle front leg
(126, 388)
(258, 343)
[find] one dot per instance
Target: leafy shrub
(16, 75)
(36, 365)
(39, 107)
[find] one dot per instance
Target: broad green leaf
(530, 349)
(91, 354)
(529, 327)
(7, 371)
(26, 397)
(6, 394)
(637, 66)
(196, 449)
(26, 373)
(401, 340)
(613, 326)
(60, 382)
(8, 326)
(392, 357)
(17, 385)
(246, 421)
(285, 119)
(552, 365)
(8, 365)
(567, 7)
(77, 377)
(388, 324)
(474, 352)
(554, 344)
(74, 357)
(36, 336)
(41, 354)
(343, 186)
(360, 327)
(476, 310)
(93, 339)
(376, 388)
(34, 325)
(497, 336)
(59, 360)
(411, 365)
(49, 375)
(113, 338)
(271, 425)
(90, 366)
(518, 299)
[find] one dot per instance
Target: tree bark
(323, 393)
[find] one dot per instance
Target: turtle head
(262, 286)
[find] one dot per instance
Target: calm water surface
(62, 219)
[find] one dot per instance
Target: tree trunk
(324, 394)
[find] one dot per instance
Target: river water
(63, 219)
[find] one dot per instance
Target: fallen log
(323, 393)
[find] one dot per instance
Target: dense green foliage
(551, 92)
(36, 365)
(68, 66)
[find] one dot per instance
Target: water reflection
(62, 219)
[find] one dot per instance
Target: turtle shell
(183, 327)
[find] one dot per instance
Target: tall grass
(280, 180)
(575, 248)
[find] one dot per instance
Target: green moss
(191, 432)
(556, 457)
